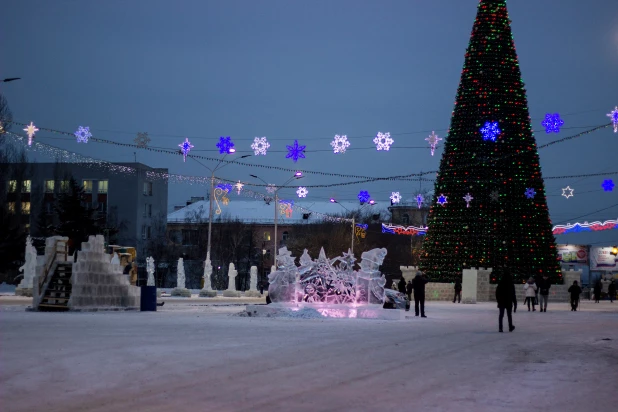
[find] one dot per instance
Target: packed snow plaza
(464, 265)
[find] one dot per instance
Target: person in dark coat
(409, 290)
(575, 291)
(598, 286)
(507, 300)
(611, 291)
(544, 284)
(418, 285)
(457, 291)
(402, 286)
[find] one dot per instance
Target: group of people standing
(604, 288)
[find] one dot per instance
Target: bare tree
(6, 116)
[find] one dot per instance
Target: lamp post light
(370, 203)
(297, 175)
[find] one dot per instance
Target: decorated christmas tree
(489, 207)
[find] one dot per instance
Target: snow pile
(304, 313)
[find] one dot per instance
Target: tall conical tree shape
(500, 226)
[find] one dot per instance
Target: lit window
(12, 207)
(64, 186)
(102, 186)
(266, 236)
(12, 186)
(147, 188)
(26, 186)
(25, 208)
(88, 186)
(49, 186)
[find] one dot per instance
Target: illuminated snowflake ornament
(468, 198)
(340, 144)
(185, 148)
(238, 186)
(271, 188)
(260, 145)
(419, 200)
(530, 193)
(83, 134)
(226, 187)
(567, 192)
(395, 197)
(433, 140)
(225, 145)
(363, 196)
(552, 123)
(490, 131)
(295, 152)
(30, 130)
(142, 140)
(383, 141)
(608, 185)
(613, 115)
(302, 192)
(442, 200)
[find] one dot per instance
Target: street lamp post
(371, 203)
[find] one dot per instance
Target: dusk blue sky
(308, 70)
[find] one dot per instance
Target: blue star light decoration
(225, 145)
(490, 131)
(530, 193)
(295, 152)
(614, 116)
(83, 134)
(552, 123)
(226, 187)
(419, 200)
(185, 148)
(442, 200)
(608, 185)
(363, 196)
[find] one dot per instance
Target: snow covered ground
(196, 356)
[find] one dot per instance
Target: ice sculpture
(328, 281)
(150, 268)
(253, 272)
(180, 289)
(29, 270)
(207, 289)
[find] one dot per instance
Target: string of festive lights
(585, 227)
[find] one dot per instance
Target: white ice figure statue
(253, 274)
(207, 272)
(370, 282)
(282, 282)
(150, 268)
(180, 270)
(232, 272)
(29, 267)
(115, 259)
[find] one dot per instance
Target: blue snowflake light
(225, 145)
(227, 187)
(185, 148)
(363, 196)
(614, 116)
(83, 134)
(608, 185)
(552, 123)
(442, 200)
(419, 200)
(490, 131)
(295, 151)
(530, 193)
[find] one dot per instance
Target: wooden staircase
(58, 292)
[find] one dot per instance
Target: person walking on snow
(575, 291)
(507, 300)
(457, 291)
(611, 291)
(598, 286)
(418, 284)
(544, 285)
(402, 286)
(530, 289)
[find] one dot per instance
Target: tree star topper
(363, 196)
(395, 197)
(608, 185)
(569, 190)
(238, 186)
(442, 200)
(552, 123)
(530, 193)
(419, 200)
(83, 134)
(340, 144)
(295, 151)
(260, 145)
(613, 115)
(433, 140)
(468, 198)
(302, 191)
(142, 140)
(30, 130)
(185, 148)
(383, 141)
(490, 131)
(225, 145)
